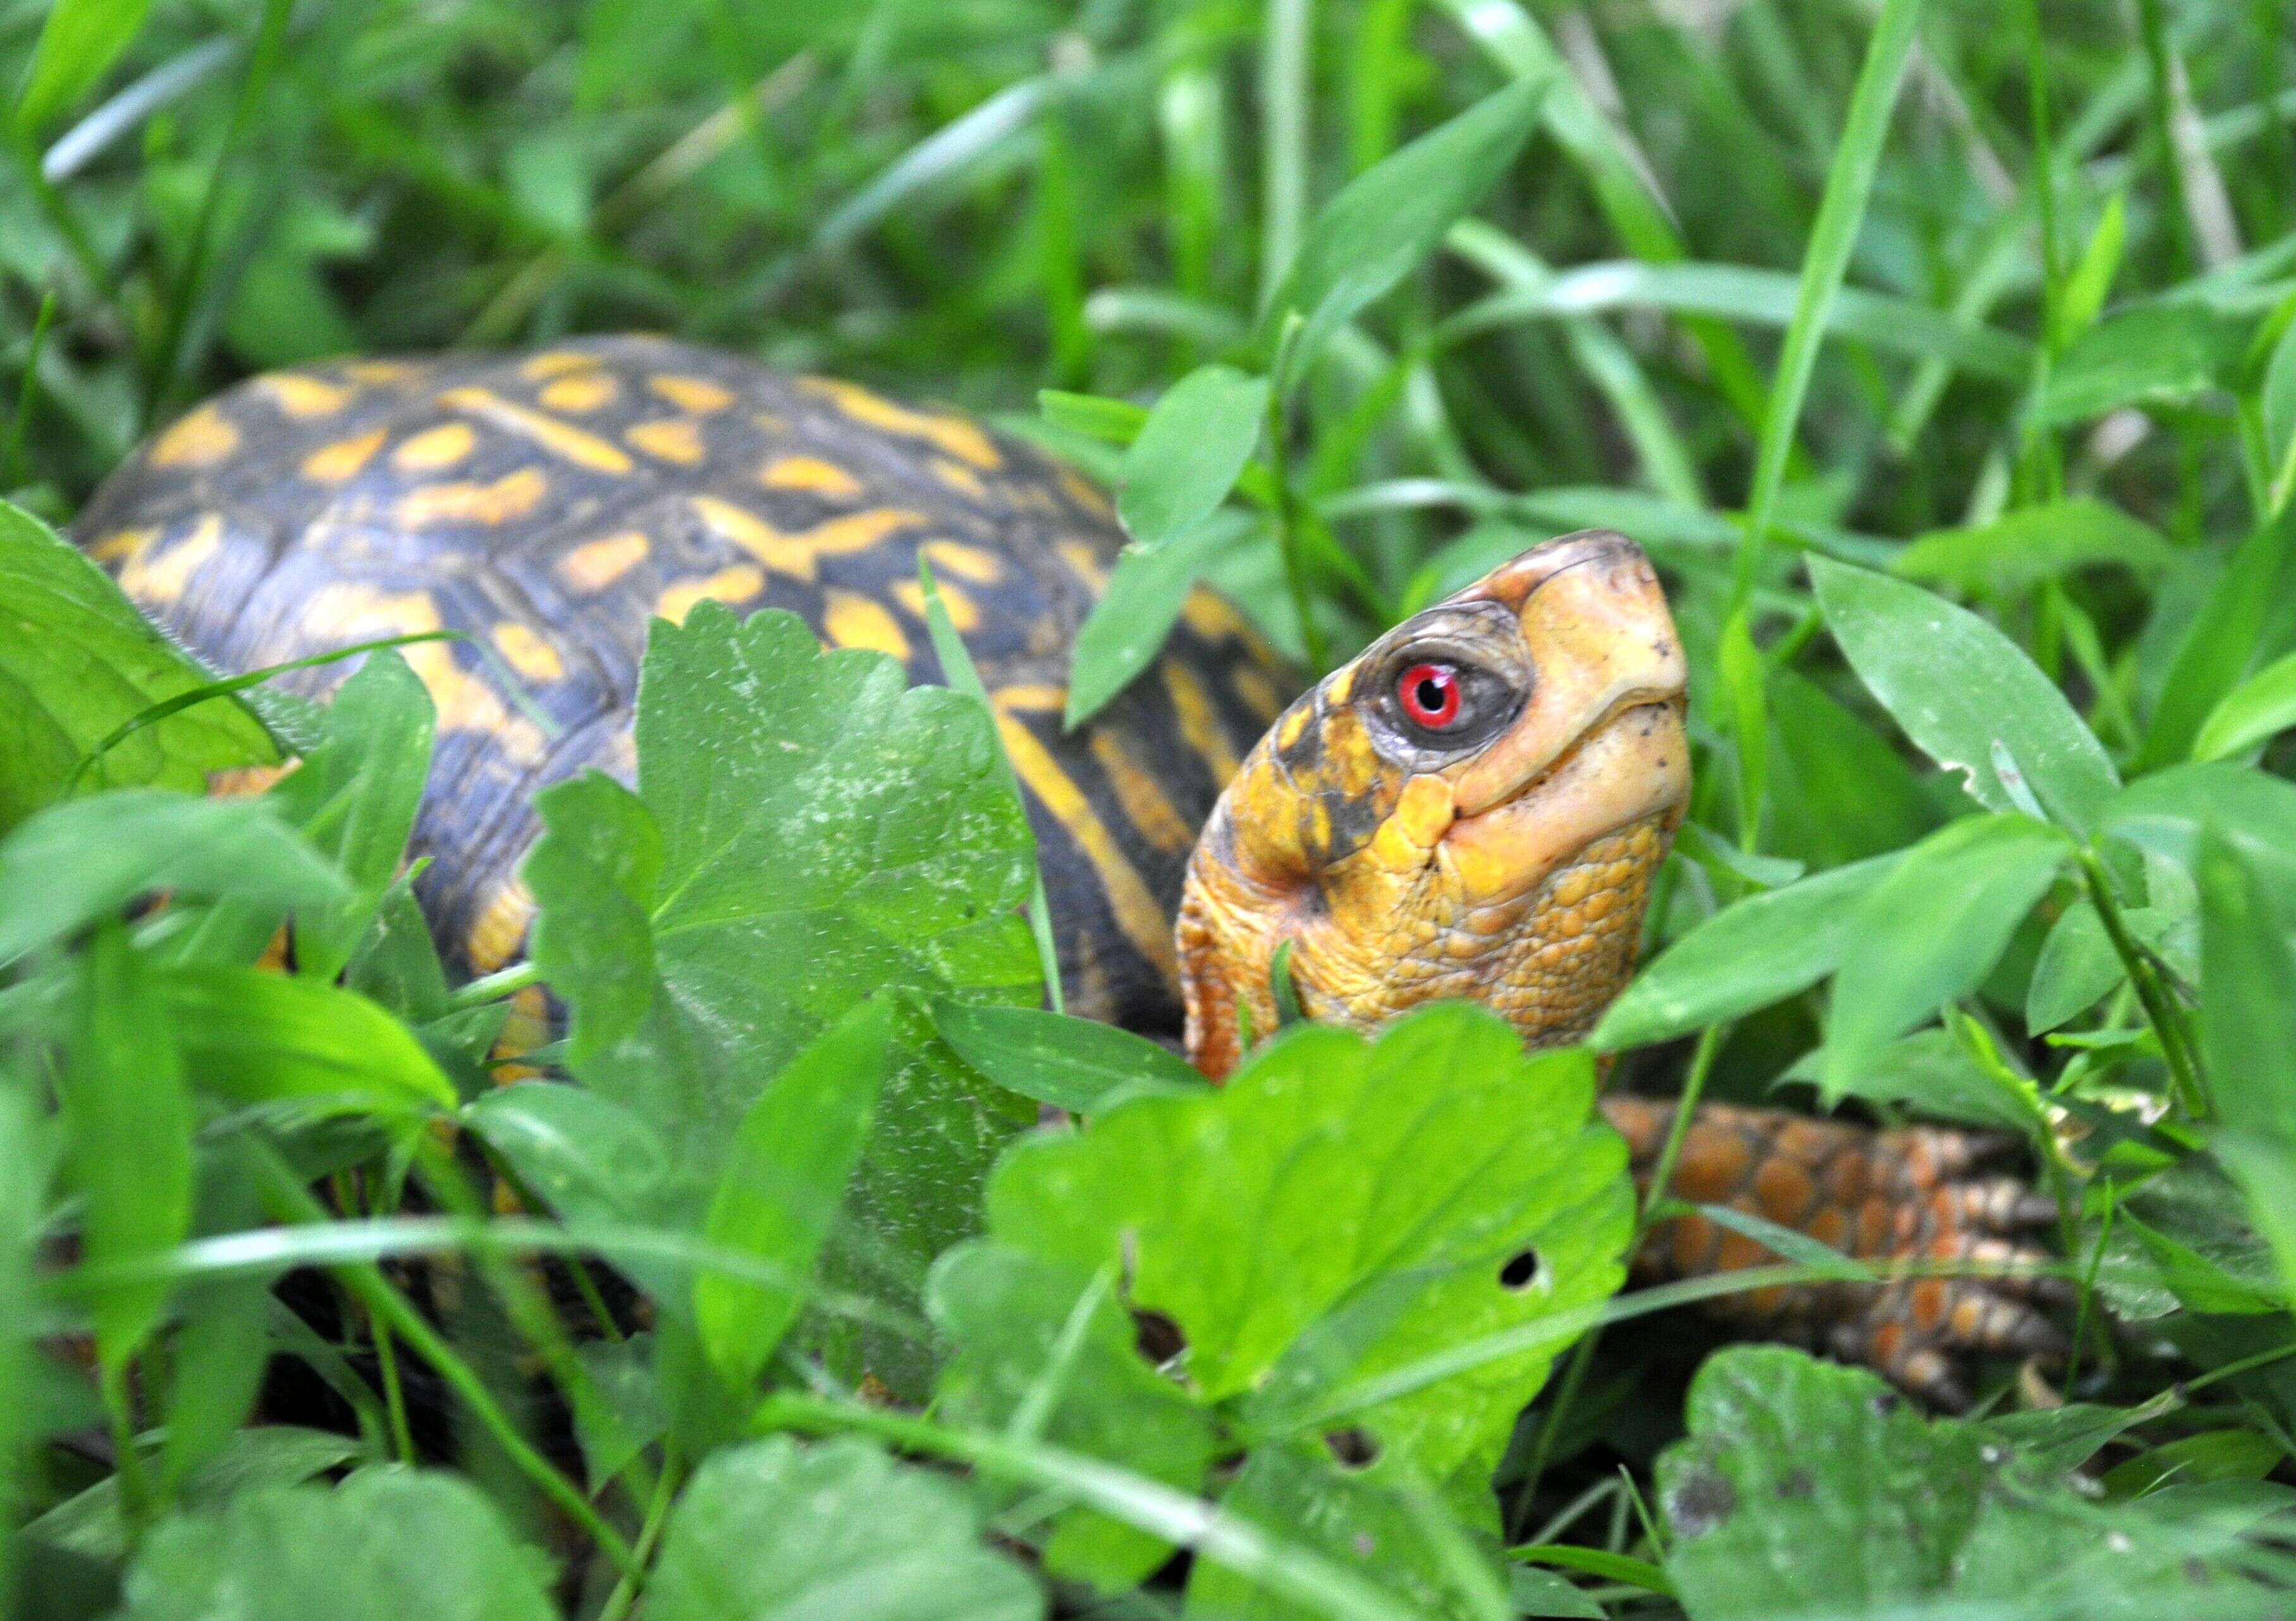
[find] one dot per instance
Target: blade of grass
(11, 456)
(1284, 89)
(1824, 261)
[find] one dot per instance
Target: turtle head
(1474, 806)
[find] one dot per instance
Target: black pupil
(1431, 694)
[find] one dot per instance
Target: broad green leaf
(1412, 1551)
(2156, 354)
(1390, 216)
(1342, 1208)
(1957, 685)
(1809, 1489)
(594, 874)
(75, 862)
(1839, 791)
(2063, 1438)
(1931, 931)
(1190, 451)
(354, 797)
(258, 1038)
(2185, 1236)
(1935, 1072)
(79, 40)
(824, 831)
(2247, 988)
(775, 1532)
(1118, 422)
(222, 1345)
(1069, 1063)
(629, 1393)
(1759, 950)
(2078, 969)
(76, 660)
(1041, 1341)
(2277, 404)
(783, 1183)
(2091, 281)
(1146, 590)
(2169, 811)
(2219, 644)
(2019, 550)
(2254, 712)
(259, 1458)
(22, 1193)
(129, 1115)
(385, 1545)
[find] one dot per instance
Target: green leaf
(1755, 951)
(1931, 931)
(1191, 451)
(621, 1371)
(79, 40)
(385, 1545)
(1042, 1342)
(1394, 1534)
(2276, 403)
(129, 1116)
(784, 1181)
(2020, 550)
(2154, 355)
(2254, 712)
(2247, 986)
(1809, 1489)
(1073, 1064)
(74, 863)
(1146, 590)
(825, 832)
(22, 1194)
(258, 1038)
(773, 1532)
(2169, 811)
(1342, 1208)
(1957, 686)
(2078, 969)
(1840, 791)
(1934, 1071)
(77, 659)
(2220, 644)
(2091, 281)
(1390, 216)
(594, 873)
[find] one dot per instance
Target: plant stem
(1288, 519)
(2150, 991)
(626, 1591)
(496, 986)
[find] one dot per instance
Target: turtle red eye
(1429, 694)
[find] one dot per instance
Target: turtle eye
(1429, 693)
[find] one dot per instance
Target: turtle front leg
(1905, 1196)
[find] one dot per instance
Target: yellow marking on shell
(161, 576)
(958, 477)
(768, 422)
(1082, 490)
(1288, 735)
(434, 448)
(560, 439)
(512, 495)
(500, 930)
(1210, 615)
(1033, 698)
(595, 565)
(1199, 720)
(850, 620)
(798, 553)
(973, 563)
(1340, 687)
(578, 391)
(341, 461)
(673, 439)
(1145, 803)
(557, 362)
(964, 613)
(695, 394)
(347, 610)
(528, 653)
(1129, 900)
(1085, 559)
(199, 440)
(122, 544)
(954, 435)
(304, 398)
(380, 371)
(810, 473)
(1256, 691)
(737, 584)
(526, 1027)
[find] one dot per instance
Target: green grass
(1944, 357)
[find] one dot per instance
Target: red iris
(1429, 694)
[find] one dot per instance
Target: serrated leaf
(1956, 684)
(1755, 951)
(1010, 1316)
(76, 660)
(385, 1545)
(1389, 217)
(1931, 932)
(73, 863)
(1340, 1209)
(1073, 1064)
(775, 1532)
(594, 873)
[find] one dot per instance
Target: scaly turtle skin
(1473, 807)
